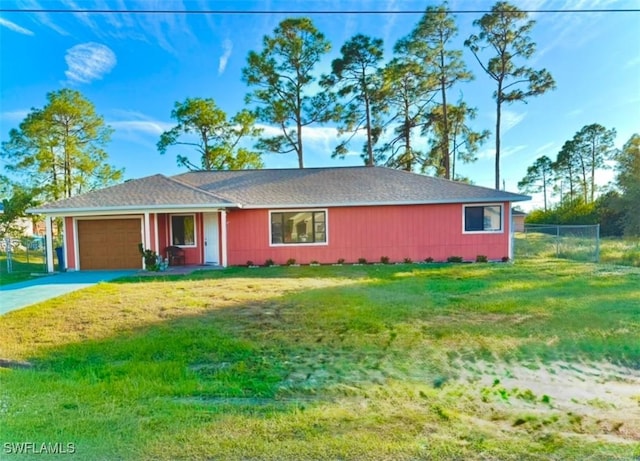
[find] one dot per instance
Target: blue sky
(133, 67)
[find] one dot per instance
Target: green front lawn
(23, 266)
(537, 360)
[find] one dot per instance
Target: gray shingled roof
(280, 188)
(338, 186)
(156, 191)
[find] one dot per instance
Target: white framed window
(483, 218)
(298, 227)
(183, 230)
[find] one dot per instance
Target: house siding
(69, 244)
(398, 232)
(193, 255)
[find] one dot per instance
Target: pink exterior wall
(152, 233)
(193, 255)
(398, 232)
(69, 244)
(163, 234)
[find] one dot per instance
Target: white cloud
(42, 18)
(14, 27)
(88, 62)
(227, 48)
(82, 17)
(165, 29)
(390, 20)
(510, 119)
(548, 149)
(634, 62)
(511, 150)
(571, 31)
(137, 128)
(132, 121)
(141, 126)
(14, 115)
(490, 153)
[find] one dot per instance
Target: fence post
(557, 241)
(7, 242)
(598, 242)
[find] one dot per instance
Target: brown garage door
(109, 244)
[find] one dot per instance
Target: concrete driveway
(18, 295)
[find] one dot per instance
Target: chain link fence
(575, 242)
(23, 255)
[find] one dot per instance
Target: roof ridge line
(282, 169)
(197, 189)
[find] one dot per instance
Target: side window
(483, 218)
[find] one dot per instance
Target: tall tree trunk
(445, 122)
(67, 172)
(369, 143)
(585, 186)
(299, 141)
(207, 158)
(367, 109)
(299, 148)
(407, 134)
(570, 185)
(498, 116)
(544, 189)
(408, 154)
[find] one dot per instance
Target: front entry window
(183, 230)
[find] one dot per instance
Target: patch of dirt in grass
(596, 400)
(607, 270)
(485, 318)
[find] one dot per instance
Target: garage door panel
(109, 244)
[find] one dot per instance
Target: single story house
(518, 218)
(315, 214)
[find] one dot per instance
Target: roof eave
(131, 209)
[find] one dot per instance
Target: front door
(211, 239)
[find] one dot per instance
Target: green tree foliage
(505, 32)
(429, 44)
(358, 79)
(13, 209)
(575, 211)
(580, 158)
(567, 172)
(58, 151)
(463, 141)
(539, 178)
(204, 126)
(604, 211)
(282, 77)
(628, 181)
(610, 215)
(408, 91)
(593, 146)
